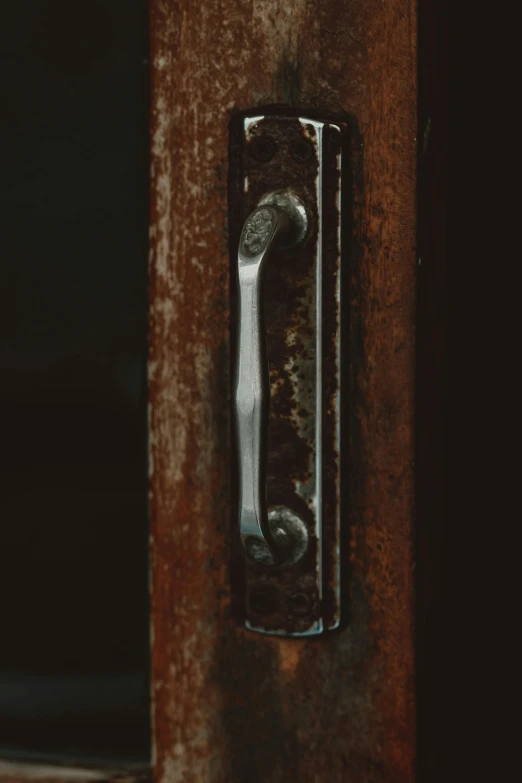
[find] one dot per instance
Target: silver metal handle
(279, 536)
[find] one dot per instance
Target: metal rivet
(262, 148)
(301, 150)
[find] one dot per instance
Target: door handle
(288, 174)
(280, 536)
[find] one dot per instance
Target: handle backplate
(277, 158)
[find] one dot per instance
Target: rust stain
(289, 656)
(225, 709)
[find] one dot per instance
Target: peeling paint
(226, 712)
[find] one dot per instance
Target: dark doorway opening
(73, 319)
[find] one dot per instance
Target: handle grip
(276, 537)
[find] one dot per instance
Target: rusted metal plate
(230, 706)
(302, 315)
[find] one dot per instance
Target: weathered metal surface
(301, 298)
(230, 706)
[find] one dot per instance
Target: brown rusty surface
(229, 705)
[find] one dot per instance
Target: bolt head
(301, 150)
(262, 148)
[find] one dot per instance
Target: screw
(262, 148)
(301, 150)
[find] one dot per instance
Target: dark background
(73, 318)
(432, 640)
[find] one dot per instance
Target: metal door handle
(289, 174)
(278, 536)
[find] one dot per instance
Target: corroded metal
(302, 308)
(230, 706)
